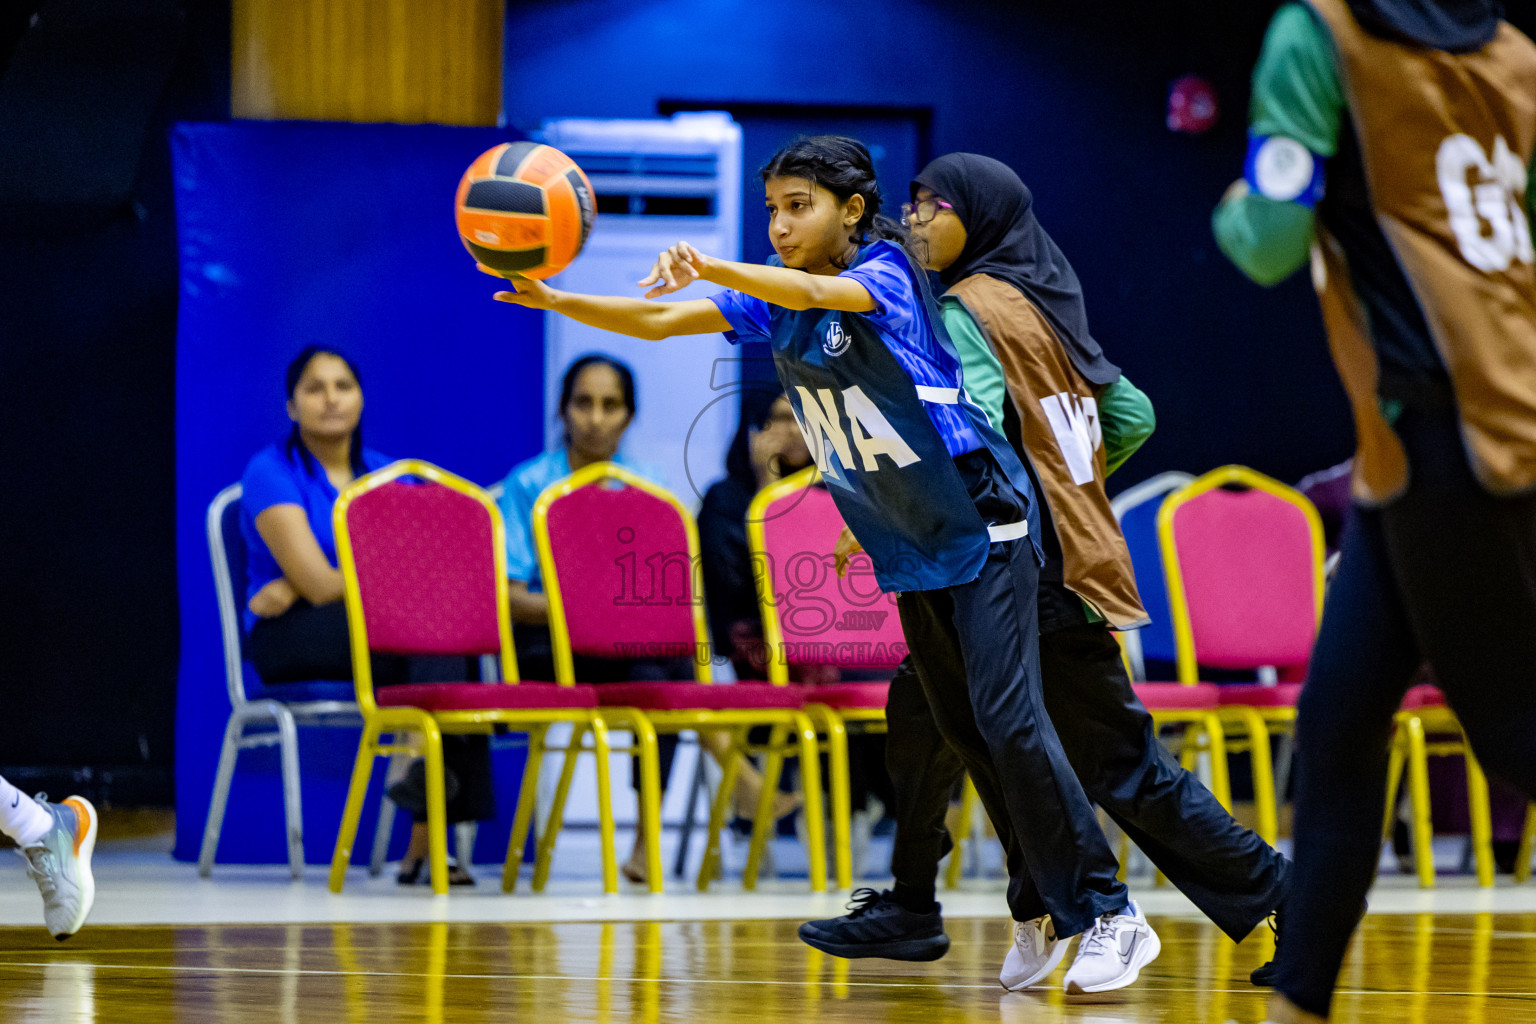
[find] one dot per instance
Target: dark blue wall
(292, 233)
(1073, 97)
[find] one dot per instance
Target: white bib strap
(938, 396)
(1012, 531)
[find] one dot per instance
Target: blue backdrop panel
(342, 234)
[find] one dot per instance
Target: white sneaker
(1112, 952)
(60, 864)
(1034, 954)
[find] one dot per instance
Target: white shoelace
(1022, 929)
(44, 875)
(1101, 938)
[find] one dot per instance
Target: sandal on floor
(417, 874)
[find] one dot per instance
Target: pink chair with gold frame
(1243, 559)
(619, 557)
(425, 573)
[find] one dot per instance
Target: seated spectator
(296, 622)
(597, 405)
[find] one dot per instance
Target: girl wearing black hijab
(1015, 311)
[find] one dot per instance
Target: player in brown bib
(1420, 244)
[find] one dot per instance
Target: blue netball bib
(875, 435)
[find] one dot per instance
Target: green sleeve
(1126, 419)
(981, 372)
(1297, 94)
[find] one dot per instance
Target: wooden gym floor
(1405, 968)
(158, 951)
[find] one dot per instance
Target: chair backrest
(1244, 569)
(226, 548)
(810, 616)
(425, 566)
(1136, 512)
(619, 557)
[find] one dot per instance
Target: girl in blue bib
(933, 492)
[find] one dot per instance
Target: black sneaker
(877, 926)
(1264, 975)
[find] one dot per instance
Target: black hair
(843, 167)
(295, 445)
(626, 379)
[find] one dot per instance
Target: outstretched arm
(682, 264)
(638, 318)
(675, 269)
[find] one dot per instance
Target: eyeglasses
(922, 211)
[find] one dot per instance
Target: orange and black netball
(524, 209)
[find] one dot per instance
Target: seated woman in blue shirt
(597, 405)
(296, 623)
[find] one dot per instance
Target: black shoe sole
(910, 950)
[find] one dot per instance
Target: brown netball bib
(1059, 423)
(1444, 138)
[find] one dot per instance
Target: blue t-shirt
(521, 492)
(272, 478)
(898, 319)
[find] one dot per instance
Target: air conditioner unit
(657, 182)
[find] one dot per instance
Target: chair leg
(1481, 819)
(1285, 758)
(213, 826)
(815, 819)
(383, 831)
(546, 846)
(362, 768)
(384, 828)
(763, 823)
(1265, 813)
(649, 810)
(1527, 842)
(842, 802)
(956, 867)
(1418, 792)
(1189, 749)
(1395, 758)
(601, 751)
(437, 808)
(698, 781)
(1221, 784)
(293, 800)
(709, 864)
(527, 797)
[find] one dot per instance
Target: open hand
(527, 292)
(847, 546)
(675, 268)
